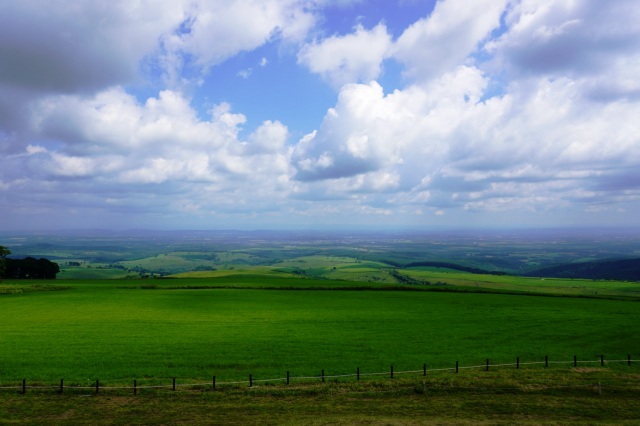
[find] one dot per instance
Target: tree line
(27, 268)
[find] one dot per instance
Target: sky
(319, 114)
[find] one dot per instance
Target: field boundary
(97, 387)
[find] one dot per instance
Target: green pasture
(581, 287)
(153, 330)
(84, 273)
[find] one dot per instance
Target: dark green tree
(4, 252)
(31, 268)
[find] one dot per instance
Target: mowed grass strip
(99, 329)
(503, 397)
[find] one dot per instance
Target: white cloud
(540, 119)
(352, 58)
(444, 40)
(110, 139)
(530, 149)
(561, 134)
(368, 131)
(570, 38)
(217, 30)
(77, 46)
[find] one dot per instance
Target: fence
(97, 387)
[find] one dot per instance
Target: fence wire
(99, 386)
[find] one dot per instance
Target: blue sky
(322, 114)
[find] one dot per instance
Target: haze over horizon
(318, 114)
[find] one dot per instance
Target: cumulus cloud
(521, 105)
(82, 48)
(111, 140)
(159, 140)
(351, 58)
(544, 143)
(403, 134)
(445, 38)
(595, 44)
(75, 47)
(216, 30)
(78, 46)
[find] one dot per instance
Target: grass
(116, 331)
(576, 287)
(502, 397)
(248, 321)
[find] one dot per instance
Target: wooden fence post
(174, 383)
(358, 373)
(546, 361)
(487, 364)
(456, 367)
(213, 382)
(517, 362)
(602, 360)
(97, 386)
(24, 386)
(323, 375)
(250, 380)
(135, 386)
(575, 361)
(392, 371)
(287, 376)
(61, 385)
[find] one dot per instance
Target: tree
(4, 252)
(31, 268)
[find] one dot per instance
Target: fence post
(456, 367)
(517, 362)
(135, 386)
(424, 369)
(287, 376)
(546, 361)
(174, 383)
(250, 380)
(575, 361)
(392, 371)
(97, 386)
(213, 382)
(487, 364)
(61, 385)
(358, 373)
(24, 386)
(602, 360)
(323, 375)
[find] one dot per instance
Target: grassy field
(566, 286)
(234, 305)
(265, 321)
(117, 330)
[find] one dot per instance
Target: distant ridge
(448, 265)
(620, 269)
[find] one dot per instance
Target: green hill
(620, 269)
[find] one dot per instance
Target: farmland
(250, 308)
